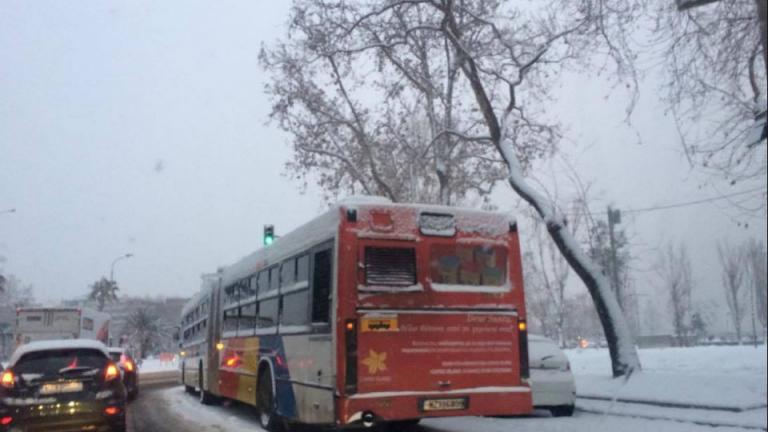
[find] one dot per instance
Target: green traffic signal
(269, 234)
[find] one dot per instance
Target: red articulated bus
(371, 313)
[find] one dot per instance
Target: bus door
(310, 356)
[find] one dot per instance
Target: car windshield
(63, 361)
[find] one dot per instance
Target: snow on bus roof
(50, 345)
(192, 303)
(325, 227)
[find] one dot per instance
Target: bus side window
(287, 273)
(231, 316)
(263, 281)
(295, 290)
(321, 287)
(274, 278)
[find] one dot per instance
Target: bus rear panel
(432, 315)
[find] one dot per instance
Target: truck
(35, 324)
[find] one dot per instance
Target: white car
(551, 381)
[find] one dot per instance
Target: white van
(36, 324)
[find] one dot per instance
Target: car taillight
(128, 365)
(111, 410)
(5, 421)
(7, 380)
(111, 372)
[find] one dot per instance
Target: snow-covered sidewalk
(710, 385)
(152, 365)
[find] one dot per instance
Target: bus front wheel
(265, 403)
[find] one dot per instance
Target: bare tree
(411, 147)
(16, 293)
(757, 260)
(716, 84)
(538, 303)
(732, 259)
(145, 331)
(500, 61)
(674, 270)
(551, 269)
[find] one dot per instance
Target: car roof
(51, 345)
(115, 350)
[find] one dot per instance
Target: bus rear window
(468, 265)
(390, 266)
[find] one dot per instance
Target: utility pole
(614, 218)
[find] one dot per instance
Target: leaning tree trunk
(624, 358)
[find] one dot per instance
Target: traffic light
(269, 234)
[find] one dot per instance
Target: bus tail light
(350, 341)
(7, 380)
(522, 335)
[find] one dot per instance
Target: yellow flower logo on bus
(376, 362)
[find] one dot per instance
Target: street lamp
(112, 269)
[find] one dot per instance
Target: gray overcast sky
(139, 126)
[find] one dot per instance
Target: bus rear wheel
(265, 403)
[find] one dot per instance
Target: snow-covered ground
(231, 419)
(726, 385)
(151, 365)
(734, 373)
(730, 377)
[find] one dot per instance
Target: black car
(130, 370)
(69, 385)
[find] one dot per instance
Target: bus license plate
(444, 404)
(67, 387)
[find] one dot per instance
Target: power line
(694, 202)
(676, 205)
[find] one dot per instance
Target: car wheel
(562, 410)
(265, 403)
